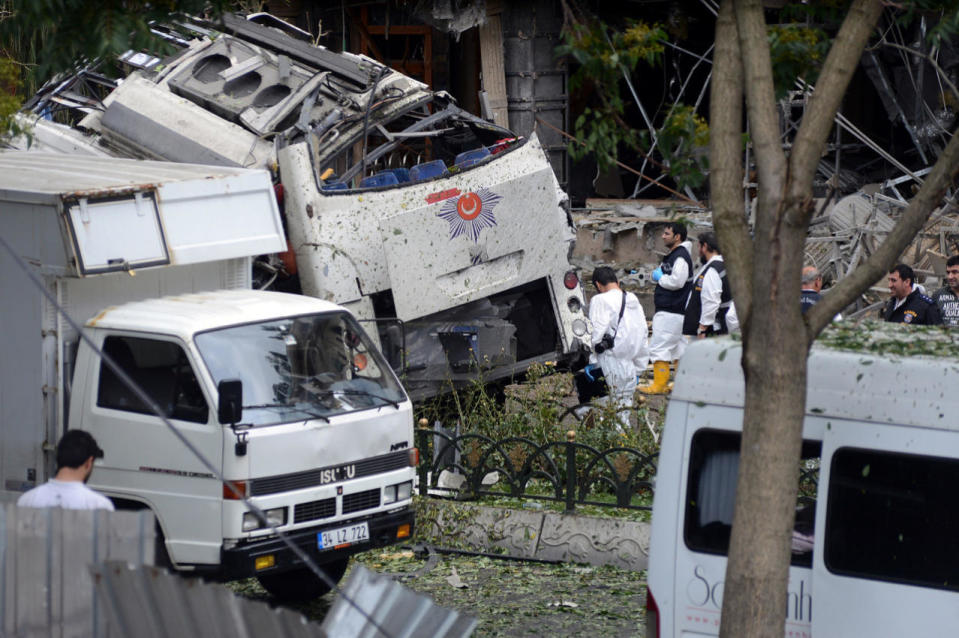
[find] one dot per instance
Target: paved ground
(511, 598)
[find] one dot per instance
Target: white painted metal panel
(223, 218)
(116, 233)
(850, 385)
(475, 235)
(856, 606)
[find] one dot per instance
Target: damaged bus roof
(236, 91)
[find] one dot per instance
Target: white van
(876, 542)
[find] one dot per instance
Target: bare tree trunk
(774, 362)
(765, 274)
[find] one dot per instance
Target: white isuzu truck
(284, 395)
(448, 233)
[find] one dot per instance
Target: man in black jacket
(908, 305)
(674, 280)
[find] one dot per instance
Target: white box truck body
(155, 260)
(874, 550)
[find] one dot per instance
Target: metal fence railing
(564, 471)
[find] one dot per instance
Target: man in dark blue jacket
(908, 304)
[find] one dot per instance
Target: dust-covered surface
(509, 598)
(891, 339)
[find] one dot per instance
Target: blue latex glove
(657, 274)
(592, 371)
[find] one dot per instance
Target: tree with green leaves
(764, 264)
(40, 38)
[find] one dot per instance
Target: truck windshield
(313, 366)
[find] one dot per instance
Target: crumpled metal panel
(390, 608)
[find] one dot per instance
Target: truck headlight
(274, 518)
(398, 492)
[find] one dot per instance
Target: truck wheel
(301, 584)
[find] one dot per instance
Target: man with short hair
(76, 452)
(617, 314)
(947, 297)
(710, 297)
(811, 287)
(907, 304)
(674, 279)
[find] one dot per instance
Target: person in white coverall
(622, 363)
(674, 280)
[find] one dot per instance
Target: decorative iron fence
(563, 471)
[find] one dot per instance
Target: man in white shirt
(616, 313)
(76, 452)
(710, 297)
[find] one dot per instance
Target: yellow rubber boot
(660, 379)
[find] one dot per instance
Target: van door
(707, 514)
(143, 460)
(887, 526)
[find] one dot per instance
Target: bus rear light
(652, 616)
(231, 495)
(571, 280)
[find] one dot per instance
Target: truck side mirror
(230, 407)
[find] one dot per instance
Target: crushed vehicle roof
(237, 91)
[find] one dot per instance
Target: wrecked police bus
(447, 232)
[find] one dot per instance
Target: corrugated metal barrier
(45, 557)
(80, 573)
(147, 602)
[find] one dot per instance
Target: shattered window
(711, 494)
(301, 368)
(893, 517)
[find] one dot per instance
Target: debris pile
(625, 234)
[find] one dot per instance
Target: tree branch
(760, 101)
(878, 264)
(725, 149)
(817, 120)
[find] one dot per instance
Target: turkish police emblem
(470, 213)
(908, 316)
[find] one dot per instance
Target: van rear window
(711, 494)
(893, 517)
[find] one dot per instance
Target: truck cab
(322, 442)
(873, 549)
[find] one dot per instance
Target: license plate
(356, 533)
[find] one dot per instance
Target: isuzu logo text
(334, 474)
